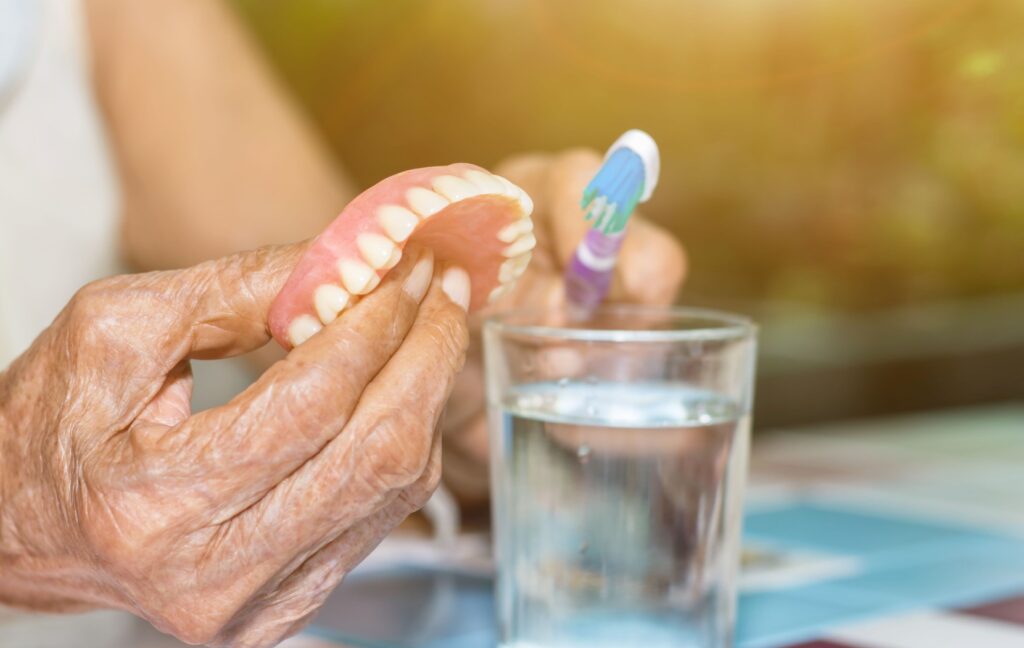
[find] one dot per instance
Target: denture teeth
(509, 233)
(524, 244)
(396, 256)
(524, 263)
(487, 182)
(375, 248)
(329, 300)
(425, 202)
(454, 188)
(509, 189)
(515, 229)
(397, 222)
(513, 268)
(358, 277)
(302, 328)
(513, 190)
(525, 203)
(498, 293)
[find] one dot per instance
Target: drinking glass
(619, 446)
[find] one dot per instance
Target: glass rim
(721, 325)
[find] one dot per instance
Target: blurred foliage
(851, 154)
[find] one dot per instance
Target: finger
(288, 602)
(231, 298)
(303, 401)
(146, 325)
(172, 403)
(651, 266)
(282, 608)
(529, 172)
(541, 288)
(212, 310)
(386, 445)
(568, 176)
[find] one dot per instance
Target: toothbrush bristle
(614, 192)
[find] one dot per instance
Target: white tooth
(515, 229)
(302, 328)
(525, 203)
(510, 188)
(397, 222)
(509, 233)
(329, 300)
(376, 248)
(425, 202)
(505, 271)
(524, 244)
(396, 256)
(523, 265)
(485, 181)
(498, 293)
(508, 269)
(513, 268)
(358, 277)
(453, 188)
(374, 282)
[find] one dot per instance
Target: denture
(466, 215)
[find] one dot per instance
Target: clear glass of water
(619, 449)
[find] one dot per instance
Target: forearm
(214, 156)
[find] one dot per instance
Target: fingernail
(455, 283)
(418, 281)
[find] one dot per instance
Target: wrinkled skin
(232, 525)
(650, 270)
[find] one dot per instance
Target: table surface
(909, 532)
(905, 532)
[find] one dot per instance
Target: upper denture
(469, 217)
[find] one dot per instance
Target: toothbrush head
(627, 177)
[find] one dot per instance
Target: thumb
(223, 304)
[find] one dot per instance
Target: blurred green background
(850, 172)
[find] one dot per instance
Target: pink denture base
(463, 233)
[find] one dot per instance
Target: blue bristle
(620, 181)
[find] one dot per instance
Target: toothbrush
(627, 177)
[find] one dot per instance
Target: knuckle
(192, 628)
(110, 536)
(194, 620)
(417, 494)
(267, 627)
(399, 448)
(297, 393)
(431, 478)
(102, 311)
(450, 337)
(85, 309)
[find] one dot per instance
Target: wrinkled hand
(650, 270)
(232, 525)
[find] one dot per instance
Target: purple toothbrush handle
(589, 275)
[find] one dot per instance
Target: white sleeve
(19, 32)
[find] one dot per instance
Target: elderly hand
(650, 270)
(232, 525)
